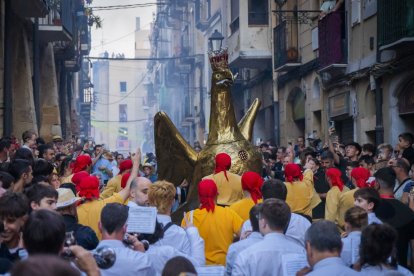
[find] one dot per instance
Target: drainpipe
(62, 98)
(379, 127)
(276, 115)
(8, 69)
(36, 71)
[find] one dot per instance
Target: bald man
(139, 192)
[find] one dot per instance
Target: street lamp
(215, 41)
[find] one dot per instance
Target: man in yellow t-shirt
(114, 184)
(301, 194)
(217, 225)
(251, 183)
(228, 184)
(89, 212)
(359, 178)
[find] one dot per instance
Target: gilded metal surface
(178, 161)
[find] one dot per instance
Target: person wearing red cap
(82, 163)
(251, 183)
(301, 195)
(334, 179)
(217, 225)
(77, 178)
(359, 178)
(89, 211)
(114, 184)
(228, 184)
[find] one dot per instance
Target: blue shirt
(408, 184)
(331, 266)
(238, 247)
(372, 218)
(128, 262)
(102, 162)
(350, 248)
(265, 257)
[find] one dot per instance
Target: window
(258, 12)
(234, 15)
(123, 117)
(123, 86)
(123, 133)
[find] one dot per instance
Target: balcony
(58, 25)
(332, 46)
(30, 8)
(395, 24)
(250, 48)
(286, 55)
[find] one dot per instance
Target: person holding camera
(44, 233)
(130, 254)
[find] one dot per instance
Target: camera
(128, 243)
(105, 257)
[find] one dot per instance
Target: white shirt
(296, 229)
(128, 262)
(372, 218)
(331, 266)
(160, 254)
(350, 248)
(133, 204)
(238, 247)
(175, 236)
(368, 270)
(264, 257)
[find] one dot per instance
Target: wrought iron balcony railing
(395, 21)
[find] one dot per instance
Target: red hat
(125, 165)
(124, 179)
(292, 171)
(207, 192)
(82, 161)
(77, 178)
(361, 176)
(335, 176)
(89, 187)
(223, 163)
(252, 182)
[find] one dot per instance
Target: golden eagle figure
(176, 158)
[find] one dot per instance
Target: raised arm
(136, 159)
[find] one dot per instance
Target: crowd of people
(312, 210)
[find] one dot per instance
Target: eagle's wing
(247, 122)
(175, 157)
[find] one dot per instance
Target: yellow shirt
(332, 203)
(243, 206)
(346, 201)
(229, 191)
(217, 229)
(113, 186)
(301, 195)
(89, 213)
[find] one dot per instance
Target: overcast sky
(118, 26)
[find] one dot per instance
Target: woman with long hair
(356, 219)
(377, 251)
